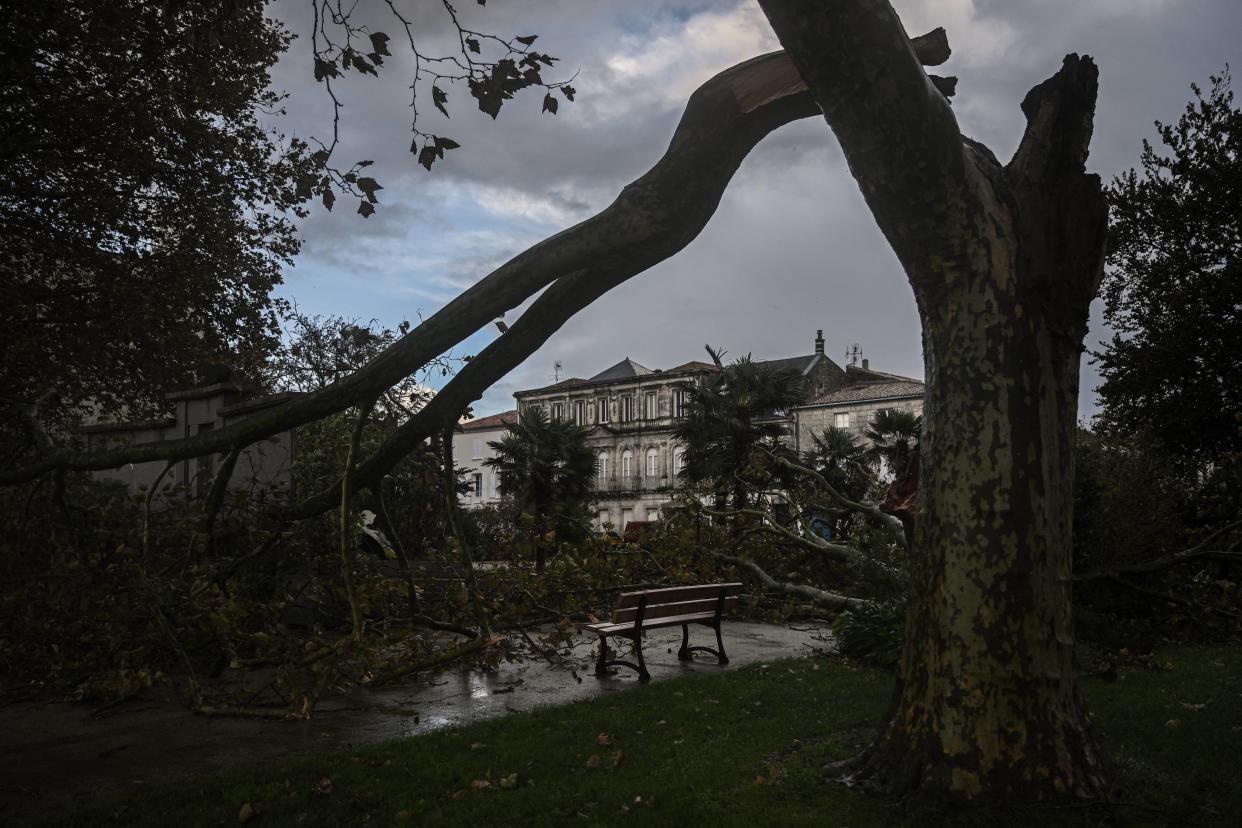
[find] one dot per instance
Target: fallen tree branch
(818, 597)
(1194, 553)
(653, 218)
(436, 659)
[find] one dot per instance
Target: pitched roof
(801, 364)
(867, 391)
(504, 418)
(624, 369)
(693, 365)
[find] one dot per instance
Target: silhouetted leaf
(527, 40)
(328, 198)
(427, 156)
(569, 92)
(439, 98)
(379, 42)
(369, 186)
(365, 209)
(473, 45)
(446, 143)
(549, 103)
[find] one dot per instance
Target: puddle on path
(55, 756)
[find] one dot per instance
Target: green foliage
(545, 468)
(729, 422)
(894, 436)
(147, 210)
(1129, 503)
(874, 634)
(1173, 290)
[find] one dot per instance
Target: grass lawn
(743, 747)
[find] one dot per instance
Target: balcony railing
(633, 483)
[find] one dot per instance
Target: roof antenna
(853, 353)
(556, 371)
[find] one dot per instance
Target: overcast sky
(792, 248)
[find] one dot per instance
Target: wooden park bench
(652, 609)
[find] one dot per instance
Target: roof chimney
(866, 365)
(819, 342)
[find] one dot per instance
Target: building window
(627, 408)
(580, 413)
(651, 407)
(679, 403)
(476, 448)
(627, 463)
(679, 461)
(843, 420)
(653, 462)
(601, 465)
(601, 410)
(605, 519)
(558, 411)
(478, 486)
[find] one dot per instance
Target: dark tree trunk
(1004, 262)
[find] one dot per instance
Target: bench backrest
(671, 601)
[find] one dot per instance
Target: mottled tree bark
(1003, 262)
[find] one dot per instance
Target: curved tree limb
(1194, 553)
(834, 551)
(869, 509)
(818, 597)
(652, 218)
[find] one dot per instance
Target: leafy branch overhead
(494, 69)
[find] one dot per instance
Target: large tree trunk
(1004, 262)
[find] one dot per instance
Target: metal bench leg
(684, 653)
(643, 675)
(724, 659)
(601, 665)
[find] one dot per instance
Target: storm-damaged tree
(1003, 261)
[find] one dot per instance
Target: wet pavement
(57, 756)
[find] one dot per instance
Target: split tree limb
(653, 218)
(818, 597)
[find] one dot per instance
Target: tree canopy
(146, 211)
(1173, 290)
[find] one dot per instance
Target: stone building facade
(471, 449)
(265, 466)
(854, 404)
(631, 411)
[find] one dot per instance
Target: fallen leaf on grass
(480, 784)
(462, 794)
(593, 762)
(509, 782)
(323, 786)
(249, 811)
(616, 760)
(602, 739)
(477, 746)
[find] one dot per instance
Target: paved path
(55, 756)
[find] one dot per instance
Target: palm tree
(729, 421)
(849, 468)
(894, 437)
(545, 468)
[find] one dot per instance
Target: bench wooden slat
(664, 610)
(676, 594)
(672, 621)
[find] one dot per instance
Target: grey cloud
(792, 248)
